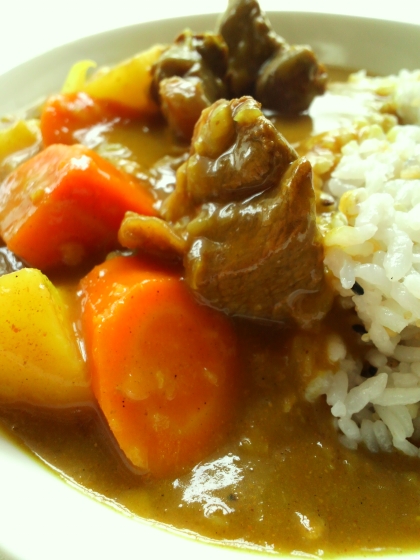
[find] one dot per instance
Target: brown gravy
(281, 481)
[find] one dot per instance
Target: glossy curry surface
(280, 480)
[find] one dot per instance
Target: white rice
(401, 92)
(372, 244)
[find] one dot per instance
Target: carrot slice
(66, 203)
(164, 368)
(64, 115)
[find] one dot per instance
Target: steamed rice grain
(373, 242)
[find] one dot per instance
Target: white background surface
(30, 27)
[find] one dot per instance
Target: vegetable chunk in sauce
(167, 395)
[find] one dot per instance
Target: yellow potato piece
(127, 83)
(76, 78)
(19, 136)
(40, 362)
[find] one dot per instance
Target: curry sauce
(280, 481)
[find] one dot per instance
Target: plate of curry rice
(210, 291)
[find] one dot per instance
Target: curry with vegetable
(165, 302)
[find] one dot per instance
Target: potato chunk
(20, 135)
(40, 362)
(127, 83)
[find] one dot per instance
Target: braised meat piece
(282, 77)
(189, 77)
(244, 57)
(235, 153)
(181, 103)
(290, 79)
(152, 235)
(260, 258)
(242, 218)
(250, 40)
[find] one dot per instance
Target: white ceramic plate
(42, 517)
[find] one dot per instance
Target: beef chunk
(244, 57)
(290, 79)
(250, 40)
(259, 258)
(189, 77)
(283, 77)
(152, 235)
(235, 152)
(242, 218)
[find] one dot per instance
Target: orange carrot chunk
(66, 203)
(64, 115)
(164, 368)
